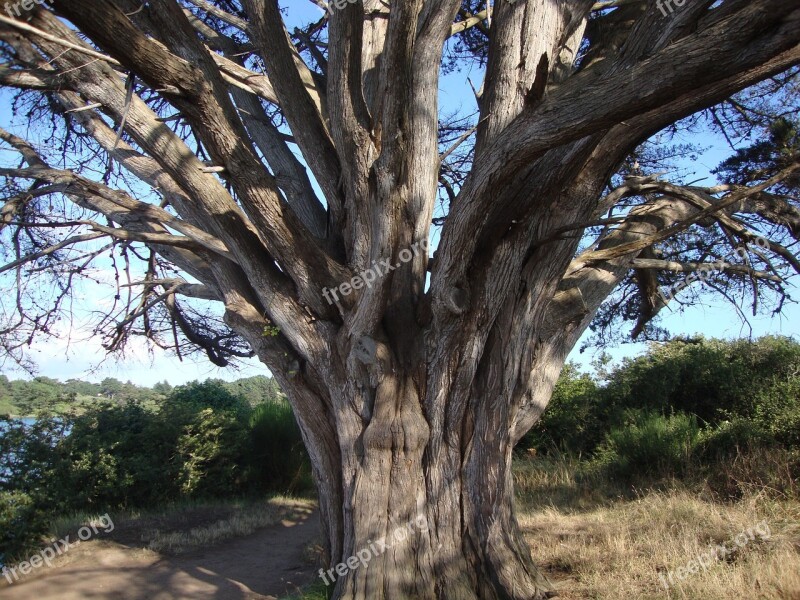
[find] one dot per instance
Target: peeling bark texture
(411, 378)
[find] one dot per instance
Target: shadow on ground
(264, 565)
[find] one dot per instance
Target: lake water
(26, 420)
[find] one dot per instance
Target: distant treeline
(28, 397)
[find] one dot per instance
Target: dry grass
(596, 546)
(238, 523)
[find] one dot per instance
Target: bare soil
(265, 565)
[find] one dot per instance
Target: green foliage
(729, 438)
(110, 387)
(314, 591)
(713, 379)
(278, 454)
(27, 398)
(26, 464)
(6, 406)
(22, 523)
(201, 442)
(40, 393)
(211, 393)
(777, 409)
(257, 390)
(82, 388)
(766, 157)
(648, 445)
(271, 331)
(118, 457)
(210, 450)
(162, 387)
(570, 423)
(689, 403)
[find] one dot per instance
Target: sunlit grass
(169, 529)
(594, 543)
(241, 523)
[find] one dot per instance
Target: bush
(717, 380)
(572, 422)
(210, 451)
(777, 410)
(118, 457)
(729, 438)
(29, 453)
(648, 446)
(278, 460)
(754, 385)
(22, 524)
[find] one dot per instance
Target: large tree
(253, 168)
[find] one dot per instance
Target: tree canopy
(126, 172)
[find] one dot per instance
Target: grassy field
(595, 545)
(595, 540)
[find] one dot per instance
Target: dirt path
(264, 565)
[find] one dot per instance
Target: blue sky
(82, 356)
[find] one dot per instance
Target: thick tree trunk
(426, 516)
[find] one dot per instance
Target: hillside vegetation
(631, 472)
(638, 475)
(684, 408)
(197, 442)
(26, 398)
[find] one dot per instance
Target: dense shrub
(571, 422)
(22, 523)
(119, 457)
(777, 409)
(730, 438)
(688, 404)
(717, 381)
(210, 452)
(278, 457)
(713, 379)
(648, 445)
(203, 442)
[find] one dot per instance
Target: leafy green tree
(257, 389)
(82, 388)
(110, 387)
(162, 387)
(212, 393)
(30, 396)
